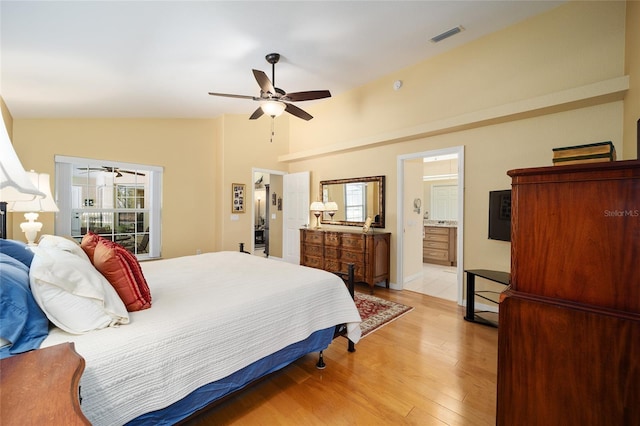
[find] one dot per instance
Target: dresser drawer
(332, 265)
(437, 237)
(313, 250)
(352, 257)
(332, 239)
(436, 230)
(332, 253)
(313, 237)
(314, 262)
(434, 254)
(353, 241)
(427, 244)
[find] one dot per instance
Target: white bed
(212, 315)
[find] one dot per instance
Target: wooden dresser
(439, 245)
(334, 250)
(569, 335)
(41, 387)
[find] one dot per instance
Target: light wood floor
(429, 367)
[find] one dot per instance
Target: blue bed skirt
(208, 393)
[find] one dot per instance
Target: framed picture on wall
(237, 197)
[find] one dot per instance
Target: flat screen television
(500, 215)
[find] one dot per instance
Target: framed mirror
(355, 199)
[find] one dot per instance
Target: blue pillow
(22, 322)
(18, 250)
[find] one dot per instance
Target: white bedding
(212, 314)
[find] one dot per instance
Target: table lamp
(33, 207)
(317, 207)
(15, 185)
(331, 207)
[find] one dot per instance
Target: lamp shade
(317, 206)
(46, 204)
(273, 108)
(330, 206)
(15, 185)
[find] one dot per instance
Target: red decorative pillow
(123, 271)
(89, 243)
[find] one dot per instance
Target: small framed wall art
(237, 197)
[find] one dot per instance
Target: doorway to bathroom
(431, 234)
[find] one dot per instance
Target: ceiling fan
(118, 172)
(273, 100)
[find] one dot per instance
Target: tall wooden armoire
(569, 335)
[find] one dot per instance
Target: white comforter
(212, 314)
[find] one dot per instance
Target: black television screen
(500, 215)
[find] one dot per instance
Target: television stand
(491, 296)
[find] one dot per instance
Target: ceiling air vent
(447, 34)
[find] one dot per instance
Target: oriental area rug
(376, 312)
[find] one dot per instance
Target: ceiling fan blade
(264, 82)
(227, 95)
(90, 169)
(256, 114)
(308, 95)
(131, 172)
(294, 110)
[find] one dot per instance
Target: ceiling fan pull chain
(272, 128)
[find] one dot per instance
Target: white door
(295, 212)
(444, 202)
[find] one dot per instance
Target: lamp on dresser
(317, 207)
(331, 207)
(33, 207)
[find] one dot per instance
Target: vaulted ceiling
(159, 59)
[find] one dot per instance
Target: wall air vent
(447, 34)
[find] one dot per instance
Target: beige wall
(246, 145)
(577, 44)
(580, 43)
(185, 148)
(413, 222)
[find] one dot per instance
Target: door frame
(459, 150)
(255, 170)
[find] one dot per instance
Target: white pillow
(72, 293)
(62, 243)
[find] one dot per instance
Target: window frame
(360, 207)
(64, 194)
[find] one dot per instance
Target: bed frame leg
(320, 365)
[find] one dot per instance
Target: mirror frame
(381, 189)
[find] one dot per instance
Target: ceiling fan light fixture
(273, 108)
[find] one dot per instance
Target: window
(118, 201)
(355, 201)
